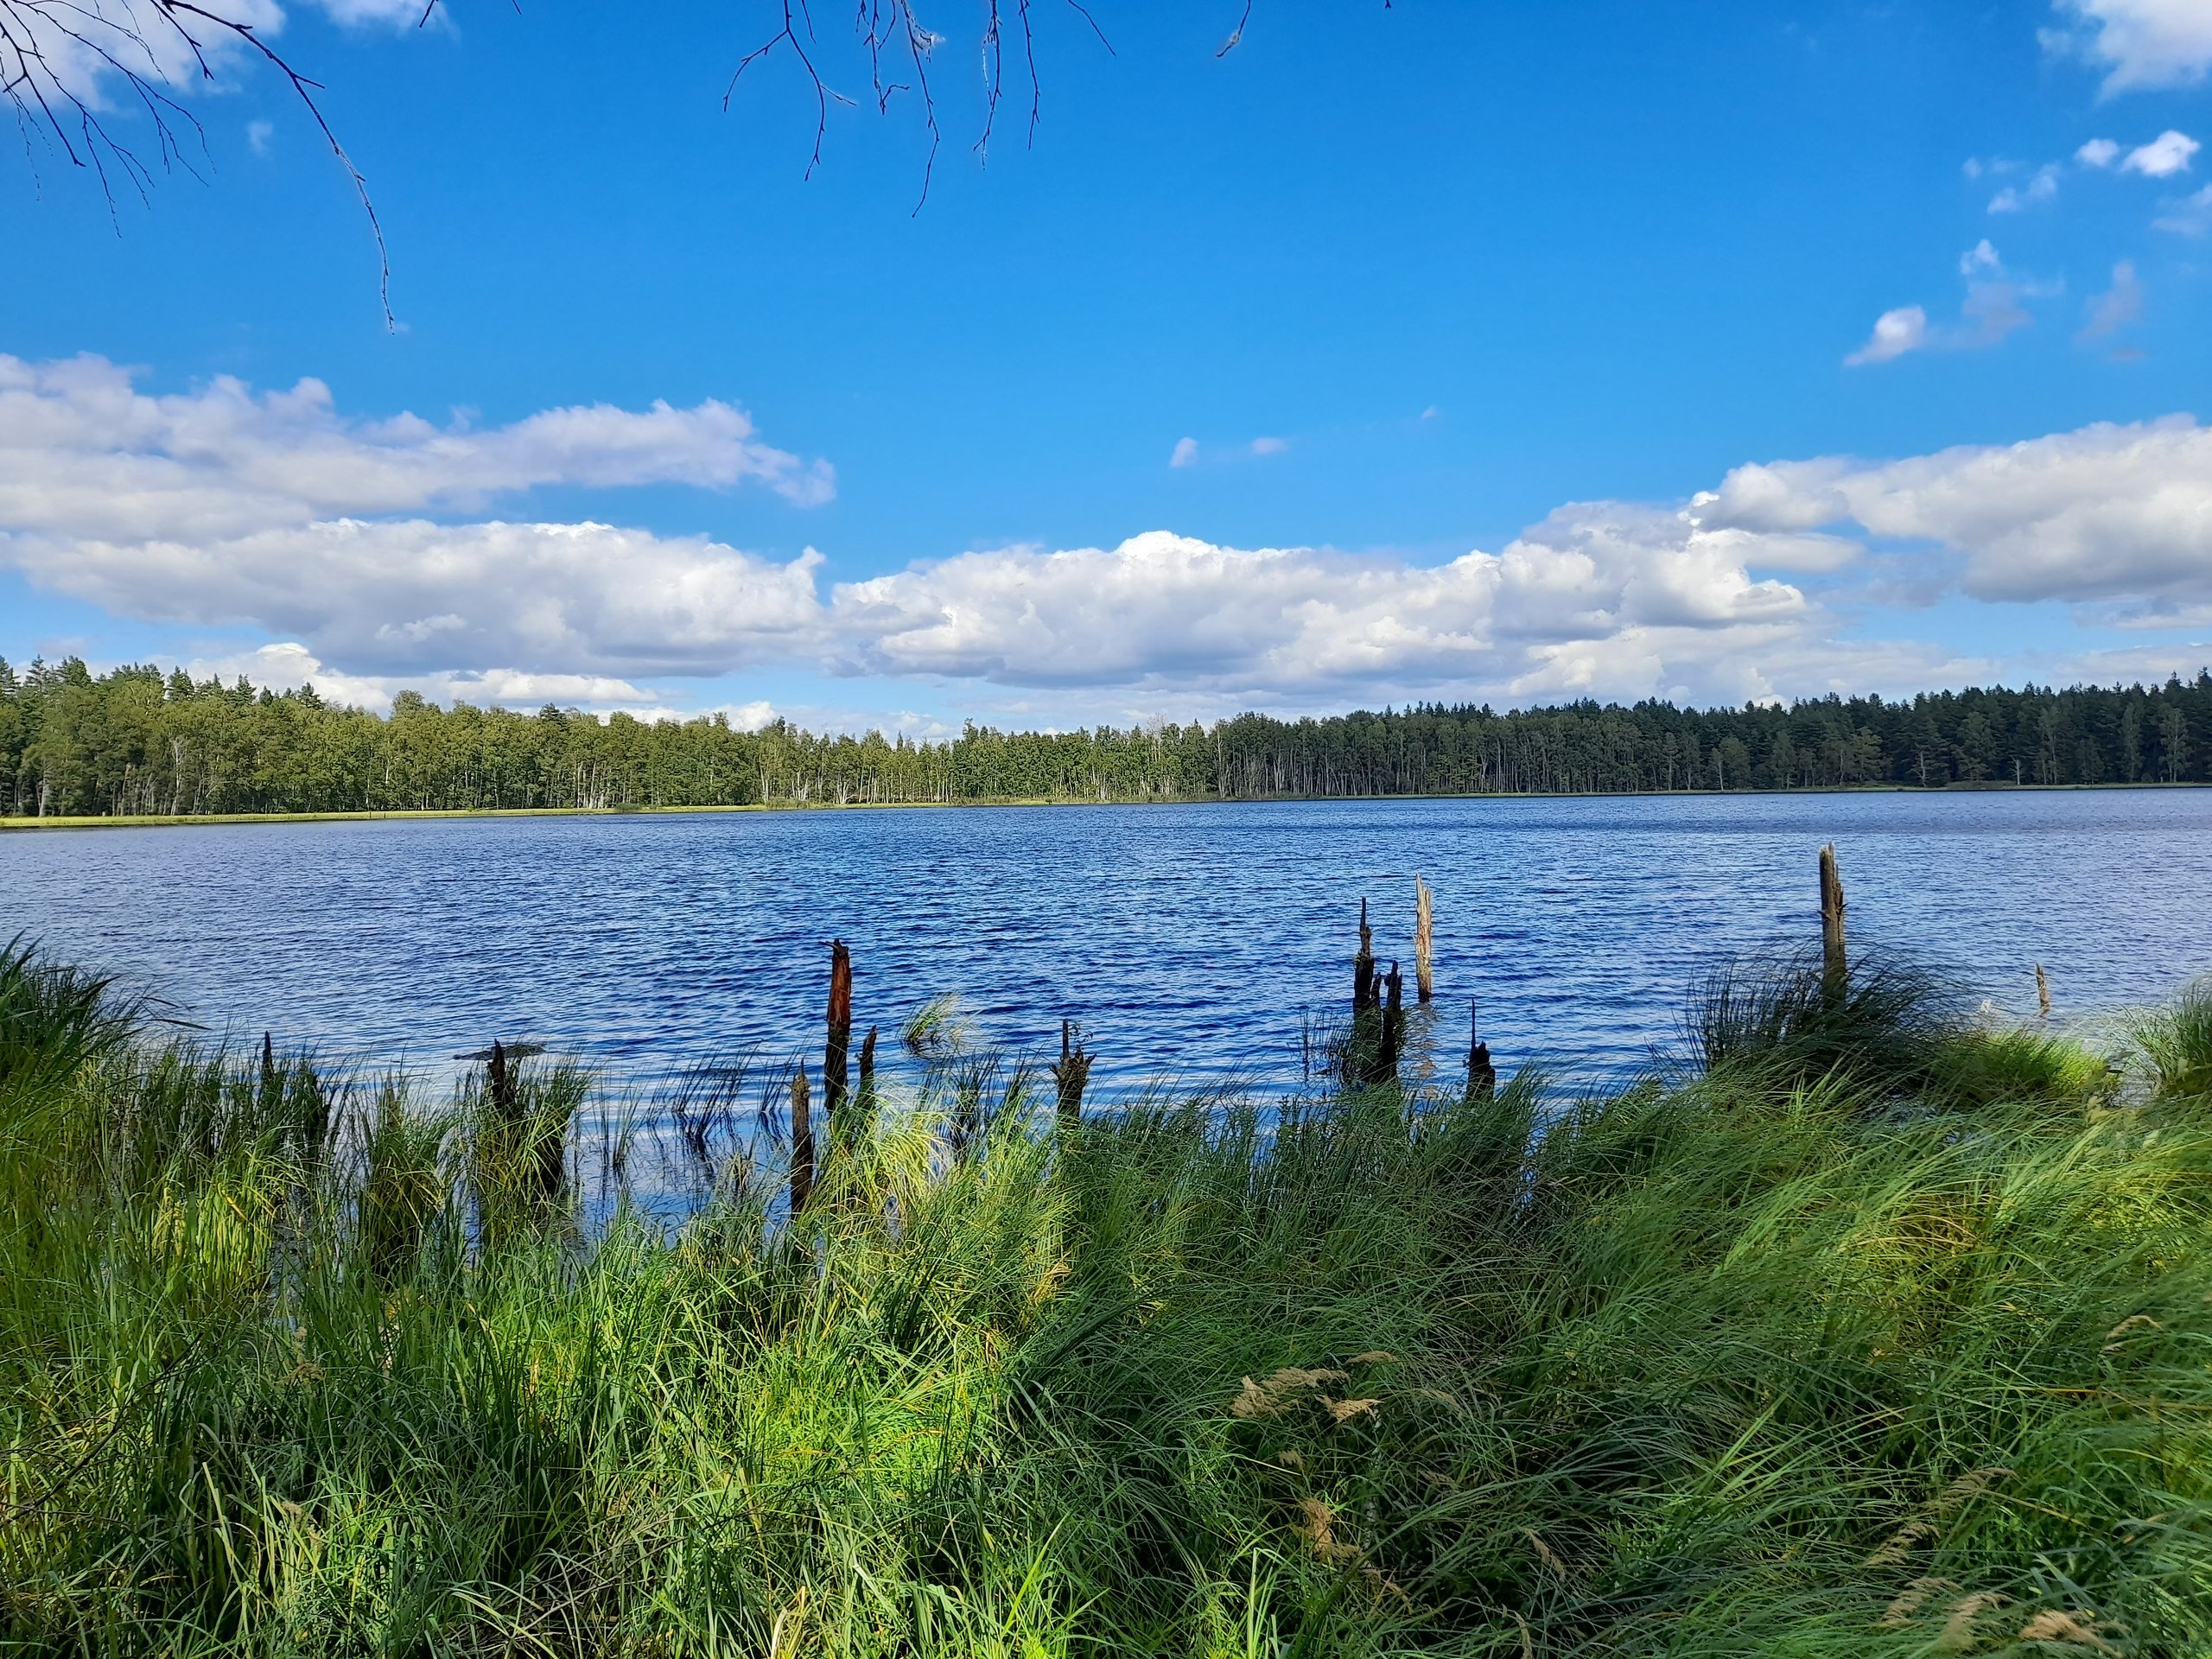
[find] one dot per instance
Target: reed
(1874, 1339)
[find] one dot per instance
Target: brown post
(802, 1142)
(268, 1063)
(1424, 935)
(1362, 968)
(1835, 966)
(1482, 1076)
(833, 1072)
(864, 1095)
(1393, 1025)
(2043, 993)
(1070, 1074)
(500, 1082)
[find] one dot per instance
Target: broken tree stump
(1482, 1075)
(1070, 1074)
(1424, 937)
(835, 1071)
(802, 1142)
(1835, 966)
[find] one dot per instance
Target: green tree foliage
(135, 741)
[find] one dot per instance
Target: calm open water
(1188, 939)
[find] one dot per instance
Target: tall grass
(1757, 1359)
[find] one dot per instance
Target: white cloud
(2012, 199)
(1895, 333)
(1613, 581)
(2118, 515)
(205, 511)
(2140, 43)
(258, 135)
(1991, 311)
(1270, 446)
(2191, 216)
(83, 451)
(2164, 156)
(2098, 152)
(1186, 453)
(286, 666)
(2118, 306)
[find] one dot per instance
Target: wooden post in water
(839, 1044)
(864, 1095)
(1393, 1026)
(268, 1063)
(1834, 965)
(1362, 968)
(499, 1083)
(802, 1142)
(2043, 993)
(1482, 1076)
(1424, 934)
(1070, 1076)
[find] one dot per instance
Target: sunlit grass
(1887, 1342)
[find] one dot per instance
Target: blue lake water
(1190, 940)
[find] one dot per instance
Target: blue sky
(1454, 314)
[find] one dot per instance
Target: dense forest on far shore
(137, 741)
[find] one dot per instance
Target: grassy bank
(1866, 1331)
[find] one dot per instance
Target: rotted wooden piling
(499, 1083)
(1393, 1026)
(802, 1141)
(1070, 1074)
(864, 1094)
(1835, 966)
(1482, 1075)
(834, 1069)
(2043, 993)
(1424, 937)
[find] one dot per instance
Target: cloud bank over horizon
(367, 555)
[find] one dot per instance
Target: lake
(1190, 940)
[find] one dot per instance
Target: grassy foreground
(1866, 1333)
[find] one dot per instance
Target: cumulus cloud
(2118, 306)
(2191, 216)
(2140, 43)
(2164, 156)
(1991, 311)
(1895, 333)
(1270, 446)
(2098, 152)
(2041, 187)
(1163, 609)
(1186, 453)
(228, 508)
(2119, 516)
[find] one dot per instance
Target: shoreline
(170, 821)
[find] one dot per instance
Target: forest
(137, 741)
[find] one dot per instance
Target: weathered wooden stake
(1424, 935)
(1835, 968)
(2043, 993)
(1070, 1076)
(1482, 1076)
(834, 1053)
(1362, 968)
(802, 1142)
(864, 1095)
(1393, 1025)
(269, 1063)
(500, 1082)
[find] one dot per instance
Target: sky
(1451, 350)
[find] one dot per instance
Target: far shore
(163, 821)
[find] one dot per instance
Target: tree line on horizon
(137, 741)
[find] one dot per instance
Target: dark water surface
(1188, 939)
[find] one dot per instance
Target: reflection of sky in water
(1189, 940)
